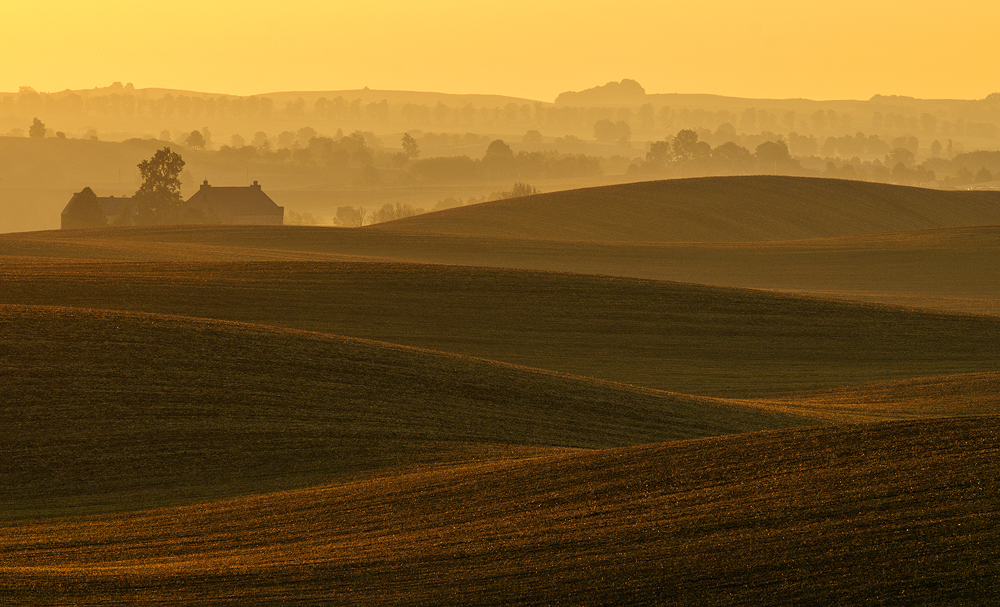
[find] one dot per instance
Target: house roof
(82, 202)
(234, 201)
(85, 210)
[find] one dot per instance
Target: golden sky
(850, 49)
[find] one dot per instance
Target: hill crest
(713, 209)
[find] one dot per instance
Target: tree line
(365, 152)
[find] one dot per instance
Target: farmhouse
(227, 205)
(87, 210)
(237, 205)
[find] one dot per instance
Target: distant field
(948, 268)
(679, 337)
(899, 513)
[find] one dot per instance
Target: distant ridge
(626, 92)
(366, 95)
(714, 209)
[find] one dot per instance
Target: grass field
(512, 403)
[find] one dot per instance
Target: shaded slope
(107, 410)
(713, 209)
(887, 514)
(679, 337)
(947, 268)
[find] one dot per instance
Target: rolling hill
(111, 410)
(512, 403)
(713, 209)
(680, 337)
(830, 238)
(920, 397)
(899, 513)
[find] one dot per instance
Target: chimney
(205, 185)
(255, 184)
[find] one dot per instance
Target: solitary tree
(37, 129)
(773, 157)
(158, 199)
(410, 147)
(499, 159)
(195, 140)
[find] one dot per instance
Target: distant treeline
(123, 102)
(686, 155)
(364, 151)
(863, 157)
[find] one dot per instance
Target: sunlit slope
(713, 209)
(965, 394)
(680, 337)
(109, 410)
(899, 513)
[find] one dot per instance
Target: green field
(728, 391)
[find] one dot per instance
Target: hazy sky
(535, 49)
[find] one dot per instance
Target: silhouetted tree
(305, 134)
(499, 159)
(687, 148)
(498, 150)
(518, 190)
(532, 136)
(37, 129)
(350, 217)
(410, 147)
(158, 199)
(732, 157)
(900, 156)
(390, 212)
(773, 157)
(195, 140)
(261, 142)
(660, 153)
(605, 131)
